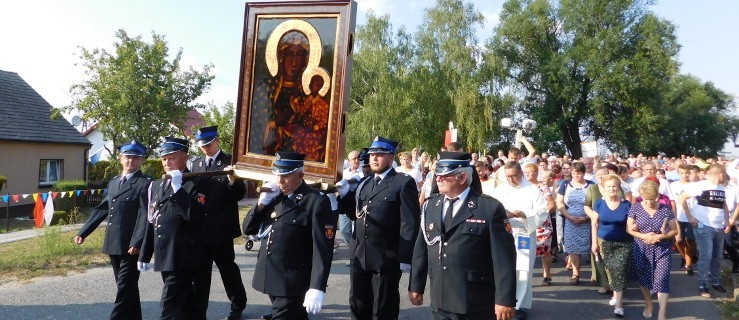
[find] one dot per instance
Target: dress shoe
(521, 314)
(267, 316)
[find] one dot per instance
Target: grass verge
(729, 307)
(52, 253)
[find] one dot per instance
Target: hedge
(104, 171)
(68, 203)
(153, 168)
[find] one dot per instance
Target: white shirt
(678, 188)
(664, 187)
(457, 204)
(704, 190)
(525, 197)
(413, 172)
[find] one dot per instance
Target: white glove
(342, 187)
(334, 203)
(142, 266)
(176, 180)
(230, 177)
(266, 197)
(356, 177)
(313, 301)
(405, 267)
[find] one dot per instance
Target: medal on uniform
(470, 204)
(274, 215)
(218, 163)
(438, 202)
(431, 226)
(299, 196)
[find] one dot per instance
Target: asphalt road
(88, 295)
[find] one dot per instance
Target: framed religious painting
(294, 86)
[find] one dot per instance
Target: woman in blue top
(570, 202)
(611, 239)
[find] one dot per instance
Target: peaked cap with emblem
(133, 148)
(450, 162)
(172, 145)
(206, 135)
(287, 162)
(383, 145)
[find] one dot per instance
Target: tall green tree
(699, 119)
(225, 118)
(586, 68)
(136, 92)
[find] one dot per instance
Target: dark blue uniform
(122, 206)
(386, 226)
(296, 248)
(173, 236)
(220, 225)
(472, 265)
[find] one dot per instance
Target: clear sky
(39, 39)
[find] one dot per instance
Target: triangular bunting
(16, 198)
(92, 192)
(70, 193)
(25, 195)
(63, 194)
(49, 210)
(35, 196)
(54, 195)
(38, 212)
(85, 192)
(44, 196)
(5, 198)
(78, 192)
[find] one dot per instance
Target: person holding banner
(296, 226)
(526, 210)
(124, 204)
(465, 248)
(175, 210)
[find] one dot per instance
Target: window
(50, 171)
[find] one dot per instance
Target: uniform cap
(206, 135)
(383, 145)
(287, 162)
(133, 148)
(172, 145)
(449, 162)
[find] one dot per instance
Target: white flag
(49, 209)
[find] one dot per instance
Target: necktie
(449, 213)
(377, 182)
(210, 162)
(123, 180)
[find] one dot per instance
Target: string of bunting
(54, 194)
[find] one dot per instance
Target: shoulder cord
(436, 239)
(363, 211)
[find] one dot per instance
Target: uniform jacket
(296, 254)
(121, 206)
(174, 238)
(473, 265)
(221, 219)
(384, 237)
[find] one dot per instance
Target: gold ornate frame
(328, 27)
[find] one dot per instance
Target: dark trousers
(443, 315)
(288, 308)
(127, 302)
(178, 294)
(374, 294)
(223, 255)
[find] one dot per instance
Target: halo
(308, 75)
(314, 41)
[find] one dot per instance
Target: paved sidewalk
(32, 233)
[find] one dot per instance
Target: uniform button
(269, 252)
(113, 200)
(112, 208)
(366, 225)
(270, 242)
(293, 221)
(443, 268)
(445, 255)
(472, 229)
(365, 237)
(445, 244)
(159, 226)
(110, 223)
(206, 214)
(159, 236)
(272, 231)
(370, 201)
(128, 198)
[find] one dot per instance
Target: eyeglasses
(566, 168)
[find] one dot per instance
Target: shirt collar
(462, 195)
(213, 157)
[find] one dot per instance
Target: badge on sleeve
(200, 198)
(329, 231)
(508, 226)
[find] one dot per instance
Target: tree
(592, 68)
(135, 92)
(223, 117)
(699, 119)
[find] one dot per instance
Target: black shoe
(690, 271)
(719, 288)
(521, 315)
(234, 315)
(267, 316)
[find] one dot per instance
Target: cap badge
(277, 157)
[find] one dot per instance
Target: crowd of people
(626, 215)
(469, 226)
